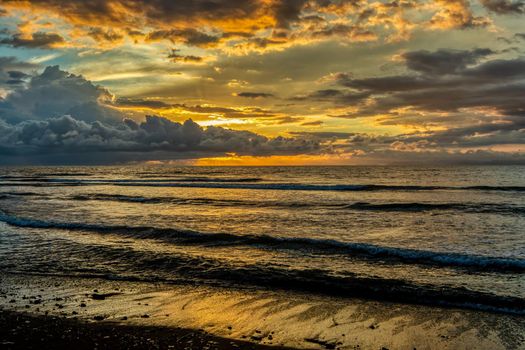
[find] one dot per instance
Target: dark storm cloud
(12, 63)
(335, 95)
(14, 81)
(387, 84)
(480, 135)
(287, 11)
(445, 81)
(70, 136)
(59, 113)
(452, 74)
(128, 102)
(16, 77)
(17, 74)
(55, 93)
(443, 61)
(12, 72)
(322, 94)
(38, 39)
(497, 71)
(504, 6)
(254, 94)
(56, 138)
(479, 102)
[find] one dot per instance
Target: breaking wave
(358, 206)
(387, 255)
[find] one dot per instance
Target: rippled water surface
(453, 235)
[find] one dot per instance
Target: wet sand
(58, 313)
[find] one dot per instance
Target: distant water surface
(439, 236)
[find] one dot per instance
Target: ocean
(438, 236)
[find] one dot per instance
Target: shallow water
(438, 236)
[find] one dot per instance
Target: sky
(262, 82)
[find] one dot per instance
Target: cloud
(13, 72)
(336, 95)
(37, 40)
(109, 35)
(16, 77)
(354, 32)
(456, 14)
(457, 99)
(62, 117)
(504, 6)
(174, 56)
(188, 36)
(287, 120)
(243, 26)
(141, 103)
(313, 123)
(467, 145)
(74, 138)
(227, 112)
(54, 93)
(57, 117)
(443, 61)
(323, 134)
(441, 157)
(446, 82)
(254, 94)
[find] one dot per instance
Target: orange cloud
(243, 26)
(455, 14)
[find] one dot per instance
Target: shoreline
(216, 318)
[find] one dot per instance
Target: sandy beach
(53, 312)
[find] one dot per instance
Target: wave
(314, 187)
(78, 260)
(20, 194)
(241, 184)
(14, 195)
(164, 200)
(364, 251)
(358, 206)
(140, 181)
(39, 176)
(420, 207)
(252, 183)
(170, 179)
